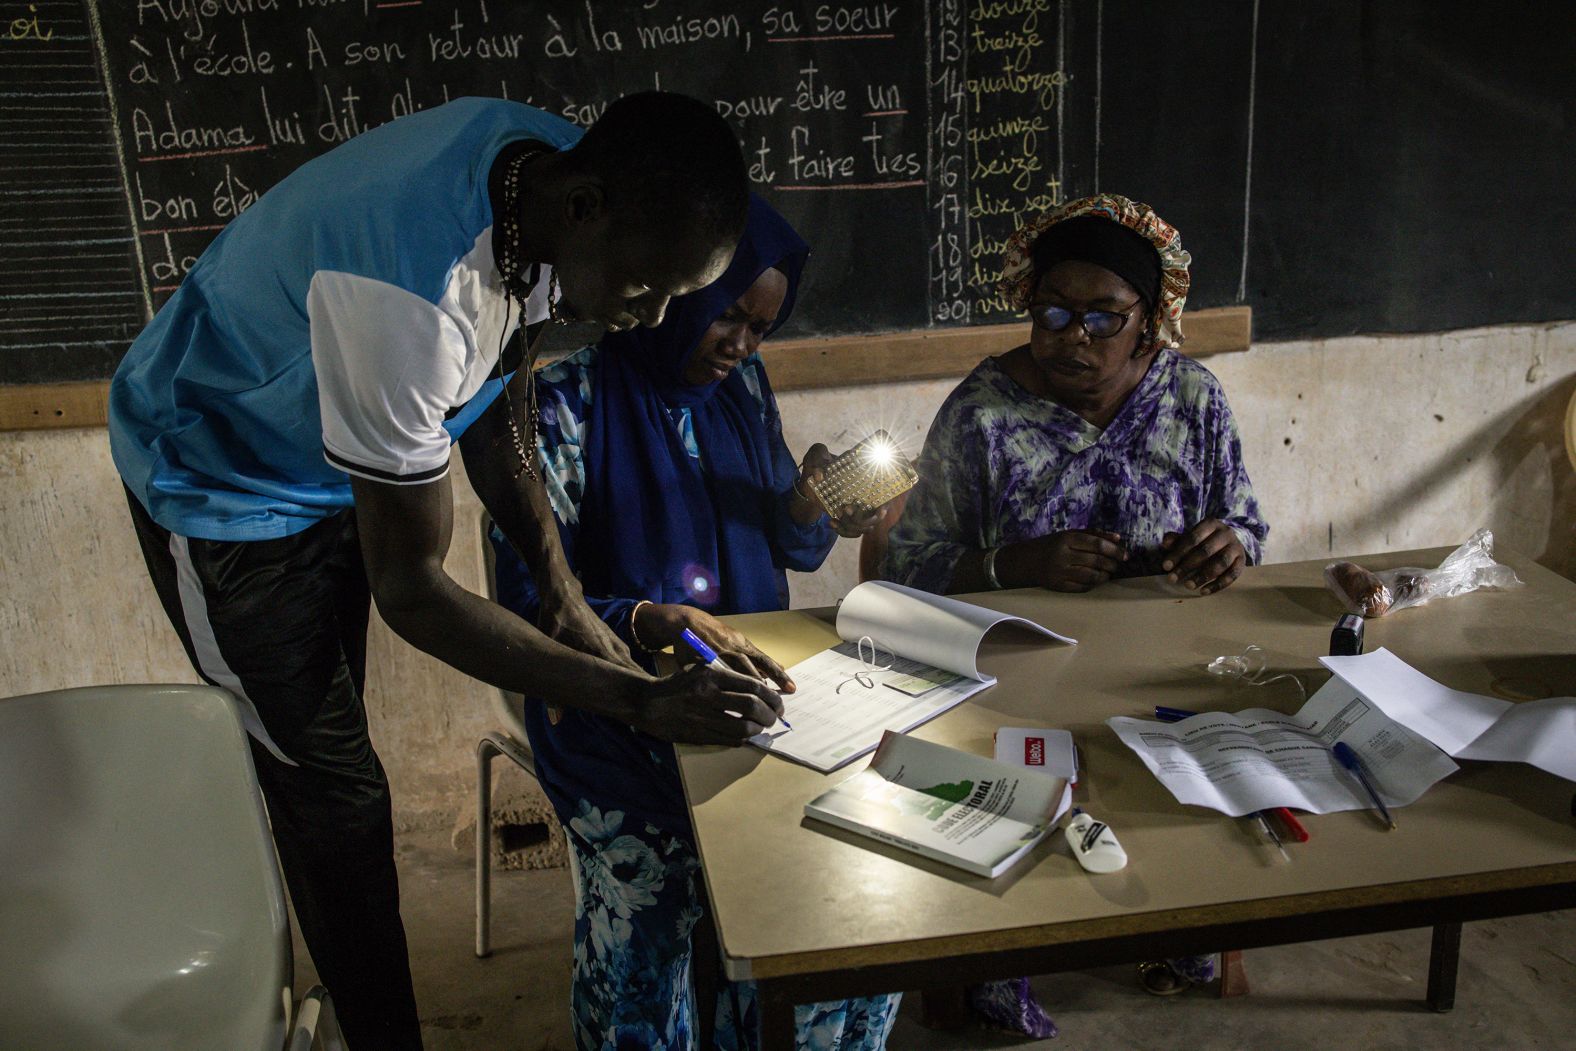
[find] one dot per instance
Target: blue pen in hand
(1348, 758)
(709, 657)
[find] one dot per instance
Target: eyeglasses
(1100, 324)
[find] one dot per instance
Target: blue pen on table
(1261, 817)
(1172, 715)
(1347, 757)
(709, 657)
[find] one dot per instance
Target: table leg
(1233, 975)
(1444, 955)
(705, 971)
(777, 1023)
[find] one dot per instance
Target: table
(813, 913)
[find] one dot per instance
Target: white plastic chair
(140, 896)
(511, 742)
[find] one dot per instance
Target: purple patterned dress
(1003, 465)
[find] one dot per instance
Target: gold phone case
(867, 476)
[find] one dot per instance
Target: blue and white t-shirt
(349, 322)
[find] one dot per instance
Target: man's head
(654, 204)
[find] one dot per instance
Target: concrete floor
(1517, 986)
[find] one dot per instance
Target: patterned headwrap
(1165, 326)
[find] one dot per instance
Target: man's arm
(520, 507)
(405, 532)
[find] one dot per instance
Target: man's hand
(1207, 557)
(1072, 560)
(566, 618)
(405, 532)
(849, 520)
(702, 705)
(659, 625)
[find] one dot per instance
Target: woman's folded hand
(1206, 558)
(1072, 560)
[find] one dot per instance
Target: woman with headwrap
(1093, 451)
(678, 502)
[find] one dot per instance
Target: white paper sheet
(933, 628)
(1467, 725)
(1542, 733)
(842, 707)
(1258, 759)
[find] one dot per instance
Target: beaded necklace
(510, 266)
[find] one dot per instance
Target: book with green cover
(965, 810)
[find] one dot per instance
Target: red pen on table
(1294, 827)
(1288, 820)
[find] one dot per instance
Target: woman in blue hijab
(678, 501)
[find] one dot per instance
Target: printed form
(1258, 759)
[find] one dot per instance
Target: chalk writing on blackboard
(69, 297)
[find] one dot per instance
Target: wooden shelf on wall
(39, 406)
(849, 361)
(794, 364)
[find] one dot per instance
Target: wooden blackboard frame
(793, 364)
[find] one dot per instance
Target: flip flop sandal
(1159, 979)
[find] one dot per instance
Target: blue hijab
(653, 524)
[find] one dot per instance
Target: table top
(794, 896)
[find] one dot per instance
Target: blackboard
(1340, 166)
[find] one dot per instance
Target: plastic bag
(1250, 667)
(1468, 568)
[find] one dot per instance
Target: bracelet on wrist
(634, 635)
(990, 568)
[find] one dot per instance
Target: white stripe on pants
(194, 609)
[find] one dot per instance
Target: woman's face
(738, 332)
(1077, 366)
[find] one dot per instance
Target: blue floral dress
(617, 791)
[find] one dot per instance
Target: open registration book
(965, 810)
(907, 656)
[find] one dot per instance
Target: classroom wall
(1366, 443)
(1354, 445)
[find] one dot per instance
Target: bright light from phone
(880, 454)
